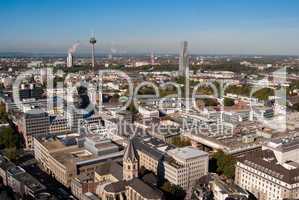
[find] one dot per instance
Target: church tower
(130, 162)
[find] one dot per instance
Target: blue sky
(210, 26)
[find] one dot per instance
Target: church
(123, 182)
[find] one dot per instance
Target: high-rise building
(69, 60)
(183, 60)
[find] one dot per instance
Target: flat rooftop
(71, 153)
(68, 157)
(186, 153)
(53, 144)
(284, 144)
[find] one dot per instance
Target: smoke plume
(74, 47)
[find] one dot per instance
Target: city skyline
(210, 27)
(149, 100)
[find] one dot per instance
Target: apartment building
(81, 185)
(23, 183)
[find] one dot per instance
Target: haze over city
(211, 27)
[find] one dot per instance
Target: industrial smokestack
(71, 51)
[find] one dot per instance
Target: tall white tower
(69, 60)
(92, 41)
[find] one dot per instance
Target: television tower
(92, 41)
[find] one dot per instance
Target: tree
(263, 94)
(177, 192)
(172, 191)
(229, 166)
(181, 80)
(7, 138)
(180, 142)
(147, 91)
(295, 107)
(210, 102)
(225, 164)
(229, 102)
(166, 187)
(3, 114)
(205, 90)
(2, 108)
(243, 90)
(9, 141)
(11, 153)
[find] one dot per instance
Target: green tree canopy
(229, 102)
(7, 138)
(180, 142)
(172, 191)
(263, 94)
(225, 164)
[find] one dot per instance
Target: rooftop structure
(285, 149)
(271, 173)
(67, 157)
(186, 153)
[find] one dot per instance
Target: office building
(34, 123)
(66, 157)
(184, 59)
(273, 172)
(186, 166)
(180, 166)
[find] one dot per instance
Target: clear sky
(210, 26)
